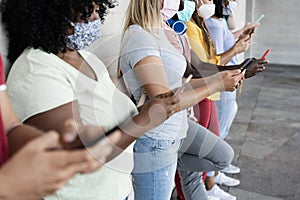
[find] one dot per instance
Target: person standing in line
(225, 40)
(47, 170)
(151, 65)
(58, 80)
(203, 46)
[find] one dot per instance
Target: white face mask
(206, 10)
(233, 4)
(228, 10)
(169, 9)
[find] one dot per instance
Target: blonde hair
(145, 13)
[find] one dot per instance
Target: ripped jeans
(155, 163)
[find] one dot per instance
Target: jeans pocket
(165, 144)
(144, 145)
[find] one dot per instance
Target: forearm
(206, 69)
(227, 55)
(200, 82)
(127, 133)
(230, 67)
(203, 68)
(192, 97)
(19, 136)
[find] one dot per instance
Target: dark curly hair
(43, 23)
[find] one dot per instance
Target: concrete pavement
(266, 136)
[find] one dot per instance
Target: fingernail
(69, 137)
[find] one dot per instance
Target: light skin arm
(35, 171)
(151, 74)
(240, 46)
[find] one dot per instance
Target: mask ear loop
(69, 21)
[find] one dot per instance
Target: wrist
(214, 86)
(235, 49)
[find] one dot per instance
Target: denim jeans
(227, 109)
(155, 164)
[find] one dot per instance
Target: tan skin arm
(105, 150)
(245, 37)
(152, 114)
(151, 73)
(240, 46)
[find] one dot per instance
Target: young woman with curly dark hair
(53, 79)
(43, 25)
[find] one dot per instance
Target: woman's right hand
(229, 80)
(243, 43)
(39, 168)
(160, 108)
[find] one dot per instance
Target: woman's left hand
(249, 29)
(255, 67)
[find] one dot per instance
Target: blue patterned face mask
(84, 34)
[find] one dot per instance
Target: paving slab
(266, 136)
(245, 195)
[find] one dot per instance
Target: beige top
(40, 81)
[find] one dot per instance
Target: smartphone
(100, 137)
(247, 64)
(260, 18)
(265, 54)
(182, 87)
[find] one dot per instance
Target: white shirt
(39, 82)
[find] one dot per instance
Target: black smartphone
(247, 64)
(100, 137)
(80, 143)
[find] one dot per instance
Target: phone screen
(247, 64)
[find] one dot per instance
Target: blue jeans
(155, 164)
(227, 109)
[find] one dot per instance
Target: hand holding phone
(182, 87)
(82, 136)
(246, 64)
